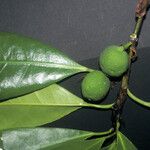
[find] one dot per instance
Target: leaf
(50, 139)
(27, 65)
(121, 143)
(124, 142)
(41, 107)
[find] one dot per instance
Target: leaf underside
(27, 65)
(38, 108)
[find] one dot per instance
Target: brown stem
(122, 96)
(141, 7)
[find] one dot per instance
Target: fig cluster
(113, 61)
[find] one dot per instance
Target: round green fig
(114, 60)
(95, 86)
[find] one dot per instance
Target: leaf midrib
(121, 141)
(52, 105)
(46, 64)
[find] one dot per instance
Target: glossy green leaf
(41, 107)
(121, 143)
(27, 65)
(50, 139)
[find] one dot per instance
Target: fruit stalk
(122, 96)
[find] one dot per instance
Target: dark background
(82, 28)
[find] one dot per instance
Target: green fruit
(95, 85)
(114, 61)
